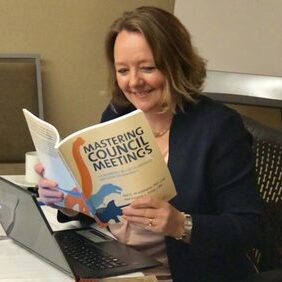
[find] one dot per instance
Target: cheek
(160, 86)
(120, 82)
(159, 82)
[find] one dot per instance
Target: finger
(39, 168)
(51, 201)
(141, 221)
(147, 223)
(139, 212)
(48, 183)
(45, 193)
(146, 201)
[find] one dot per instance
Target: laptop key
(88, 254)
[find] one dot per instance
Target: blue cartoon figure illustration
(98, 199)
(88, 203)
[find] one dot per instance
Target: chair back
(267, 146)
(20, 87)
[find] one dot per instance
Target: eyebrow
(139, 62)
(119, 64)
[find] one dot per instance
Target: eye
(148, 68)
(122, 71)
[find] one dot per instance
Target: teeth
(141, 93)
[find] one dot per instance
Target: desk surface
(17, 264)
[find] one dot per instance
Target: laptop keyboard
(86, 253)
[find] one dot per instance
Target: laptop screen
(23, 223)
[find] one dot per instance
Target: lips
(142, 93)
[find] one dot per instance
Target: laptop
(80, 252)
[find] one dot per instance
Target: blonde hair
(172, 50)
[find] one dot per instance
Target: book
(104, 167)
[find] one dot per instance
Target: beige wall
(238, 36)
(241, 35)
(69, 36)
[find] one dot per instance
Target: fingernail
(124, 208)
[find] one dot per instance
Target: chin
(147, 109)
(145, 106)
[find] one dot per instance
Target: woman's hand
(48, 189)
(155, 215)
(49, 193)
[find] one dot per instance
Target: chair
(266, 91)
(267, 146)
(20, 87)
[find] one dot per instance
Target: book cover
(102, 168)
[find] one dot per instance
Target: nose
(135, 79)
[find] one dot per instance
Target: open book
(102, 168)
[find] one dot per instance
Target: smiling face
(136, 73)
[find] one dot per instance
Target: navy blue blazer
(212, 166)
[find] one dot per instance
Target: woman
(203, 234)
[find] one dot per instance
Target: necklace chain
(161, 133)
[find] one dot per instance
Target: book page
(45, 136)
(114, 163)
